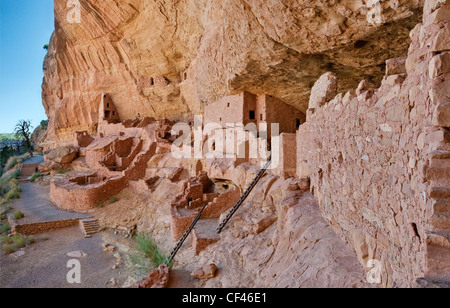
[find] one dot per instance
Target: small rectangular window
(260, 117)
(252, 115)
(298, 123)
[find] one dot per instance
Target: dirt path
(35, 203)
(44, 264)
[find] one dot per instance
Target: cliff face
(166, 58)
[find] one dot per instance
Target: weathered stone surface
(167, 58)
(370, 169)
(439, 65)
(324, 90)
(157, 279)
(206, 272)
(62, 155)
(442, 40)
(441, 116)
(76, 254)
(38, 137)
(49, 166)
(396, 66)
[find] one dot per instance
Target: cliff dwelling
(321, 158)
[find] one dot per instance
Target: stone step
(87, 220)
(439, 172)
(439, 238)
(441, 206)
(438, 262)
(90, 226)
(441, 221)
(204, 234)
(440, 193)
(23, 179)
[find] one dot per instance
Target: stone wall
(81, 198)
(367, 153)
(288, 156)
(40, 227)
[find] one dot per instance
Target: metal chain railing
(186, 234)
(243, 197)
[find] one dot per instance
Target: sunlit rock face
(167, 59)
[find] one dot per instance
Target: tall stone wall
(367, 154)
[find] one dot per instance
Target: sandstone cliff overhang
(168, 58)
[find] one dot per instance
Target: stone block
(439, 65)
(441, 116)
(440, 93)
(442, 40)
(396, 66)
(432, 5)
(206, 272)
(441, 14)
(323, 91)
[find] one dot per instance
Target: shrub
(9, 248)
(63, 171)
(5, 239)
(44, 124)
(11, 163)
(12, 194)
(18, 215)
(148, 247)
(30, 240)
(35, 177)
(4, 228)
(19, 241)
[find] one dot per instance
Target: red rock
(157, 279)
(396, 66)
(206, 272)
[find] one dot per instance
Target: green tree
(46, 46)
(23, 131)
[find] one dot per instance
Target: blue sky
(25, 27)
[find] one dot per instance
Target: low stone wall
(221, 204)
(367, 153)
(179, 222)
(73, 197)
(40, 227)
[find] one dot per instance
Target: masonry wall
(73, 197)
(227, 110)
(288, 156)
(40, 227)
(286, 116)
(367, 154)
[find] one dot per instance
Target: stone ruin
(118, 155)
(376, 159)
(219, 195)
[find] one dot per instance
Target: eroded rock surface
(168, 58)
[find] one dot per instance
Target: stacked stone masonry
(39, 227)
(378, 159)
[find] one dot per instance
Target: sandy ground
(44, 264)
(35, 203)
